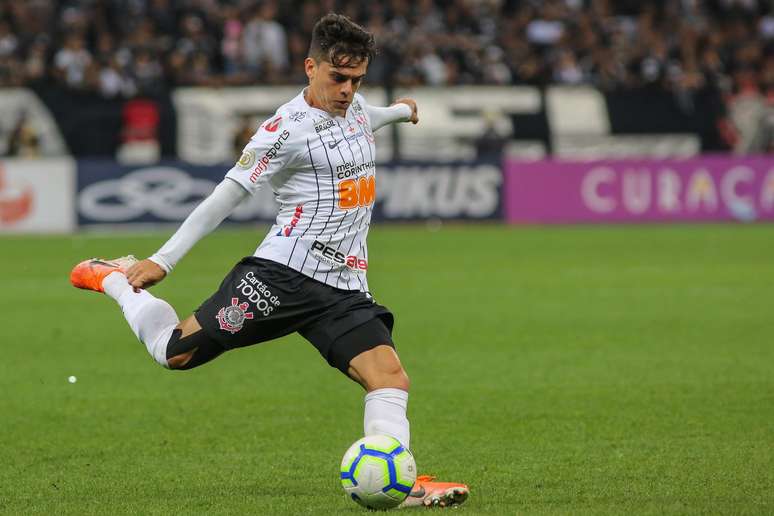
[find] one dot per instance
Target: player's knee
(391, 376)
(180, 361)
(402, 380)
(190, 351)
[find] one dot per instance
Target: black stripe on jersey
(311, 160)
(333, 204)
(371, 209)
(359, 276)
(344, 217)
(336, 232)
(357, 211)
(367, 215)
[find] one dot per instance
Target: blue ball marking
(389, 458)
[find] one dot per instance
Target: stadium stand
(710, 62)
(121, 48)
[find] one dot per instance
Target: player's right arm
(265, 154)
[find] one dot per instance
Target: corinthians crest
(232, 317)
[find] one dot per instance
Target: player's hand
(413, 105)
(145, 274)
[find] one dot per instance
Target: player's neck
(310, 99)
(313, 102)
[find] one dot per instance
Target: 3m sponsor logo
(15, 202)
(263, 163)
(350, 169)
(258, 293)
(337, 259)
(231, 318)
(354, 193)
(273, 125)
(325, 124)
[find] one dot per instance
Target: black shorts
(261, 300)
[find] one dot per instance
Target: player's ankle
(115, 284)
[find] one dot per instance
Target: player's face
(333, 87)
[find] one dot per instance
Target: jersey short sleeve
(268, 152)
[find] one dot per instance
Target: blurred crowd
(125, 47)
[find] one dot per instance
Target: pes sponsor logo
(258, 293)
(270, 154)
(337, 259)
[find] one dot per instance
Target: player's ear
(310, 67)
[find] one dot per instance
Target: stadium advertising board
(109, 193)
(113, 194)
(36, 196)
(438, 191)
(711, 188)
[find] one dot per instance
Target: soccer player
(309, 273)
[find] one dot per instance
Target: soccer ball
(378, 472)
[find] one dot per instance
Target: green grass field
(606, 370)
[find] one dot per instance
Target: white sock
(385, 413)
(150, 318)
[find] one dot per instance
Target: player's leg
(189, 346)
(377, 367)
(171, 343)
(381, 374)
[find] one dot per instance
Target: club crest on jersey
(231, 318)
(361, 121)
(273, 125)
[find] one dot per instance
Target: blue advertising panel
(166, 192)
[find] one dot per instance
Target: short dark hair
(336, 37)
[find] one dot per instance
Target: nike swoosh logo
(333, 145)
(419, 493)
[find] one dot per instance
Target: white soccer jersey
(321, 169)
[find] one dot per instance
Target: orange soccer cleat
(89, 274)
(428, 493)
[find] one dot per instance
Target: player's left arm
(412, 104)
(402, 110)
